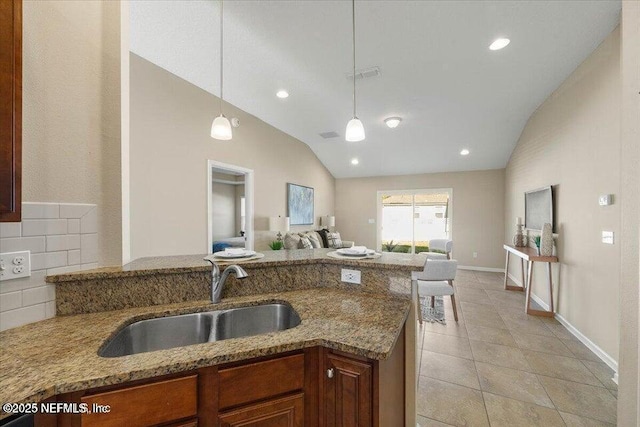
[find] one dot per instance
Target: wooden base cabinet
(315, 387)
(283, 412)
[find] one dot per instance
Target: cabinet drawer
(285, 411)
(145, 405)
(260, 380)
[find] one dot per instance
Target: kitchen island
(365, 324)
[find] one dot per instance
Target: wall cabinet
(310, 388)
(10, 110)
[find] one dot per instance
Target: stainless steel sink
(187, 329)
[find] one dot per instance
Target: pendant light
(221, 128)
(355, 130)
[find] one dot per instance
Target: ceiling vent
(329, 135)
(365, 73)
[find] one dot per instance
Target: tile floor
(500, 367)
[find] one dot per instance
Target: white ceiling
(437, 71)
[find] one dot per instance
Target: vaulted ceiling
(437, 72)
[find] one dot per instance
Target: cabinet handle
(330, 373)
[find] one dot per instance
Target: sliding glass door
(408, 219)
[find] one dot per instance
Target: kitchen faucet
(218, 280)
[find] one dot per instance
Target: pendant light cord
(353, 16)
(221, 53)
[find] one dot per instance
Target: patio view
(409, 219)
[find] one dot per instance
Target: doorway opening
(408, 219)
(230, 207)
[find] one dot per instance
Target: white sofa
(292, 239)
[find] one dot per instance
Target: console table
(530, 256)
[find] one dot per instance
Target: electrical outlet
(350, 276)
(14, 265)
(475, 254)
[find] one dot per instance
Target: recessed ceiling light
(499, 44)
(282, 94)
(464, 152)
(393, 122)
(355, 161)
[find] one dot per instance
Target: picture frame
(300, 204)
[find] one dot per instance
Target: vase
(546, 241)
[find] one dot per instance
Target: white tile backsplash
(44, 227)
(73, 226)
(89, 248)
(40, 210)
(63, 242)
(73, 257)
(10, 301)
(89, 222)
(15, 244)
(10, 229)
(75, 210)
(21, 316)
(62, 238)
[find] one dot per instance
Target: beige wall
(71, 110)
(478, 210)
(629, 387)
(573, 142)
(170, 146)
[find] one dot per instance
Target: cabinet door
(283, 412)
(348, 392)
(10, 109)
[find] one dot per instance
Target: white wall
(478, 210)
(629, 385)
(573, 142)
(170, 146)
(71, 110)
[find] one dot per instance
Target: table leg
(524, 282)
(529, 286)
(550, 287)
(506, 271)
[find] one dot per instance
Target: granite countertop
(195, 263)
(59, 355)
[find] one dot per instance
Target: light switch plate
(607, 237)
(605, 199)
(14, 265)
(372, 221)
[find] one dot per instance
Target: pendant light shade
(355, 130)
(221, 128)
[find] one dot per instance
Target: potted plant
(536, 240)
(276, 245)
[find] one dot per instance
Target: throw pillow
(323, 236)
(305, 243)
(313, 238)
(291, 241)
(334, 240)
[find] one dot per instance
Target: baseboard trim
(575, 332)
(474, 268)
(610, 361)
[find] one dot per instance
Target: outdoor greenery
(398, 248)
(276, 245)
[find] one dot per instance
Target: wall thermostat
(605, 199)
